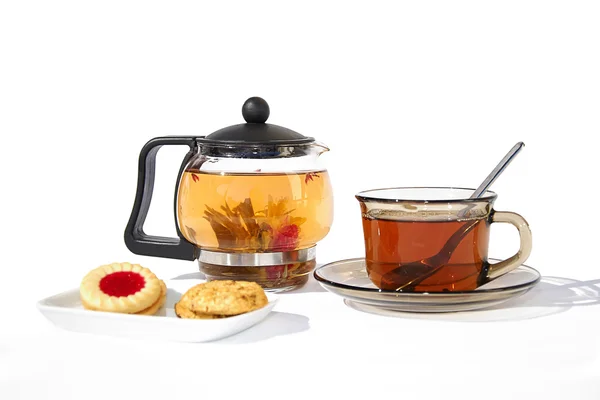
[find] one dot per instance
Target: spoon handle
(498, 170)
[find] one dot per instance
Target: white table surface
(404, 93)
(544, 343)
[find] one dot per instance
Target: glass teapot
(251, 202)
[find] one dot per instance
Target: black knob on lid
(254, 133)
(256, 110)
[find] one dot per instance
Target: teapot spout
(320, 148)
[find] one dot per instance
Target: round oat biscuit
(224, 297)
(120, 287)
(183, 312)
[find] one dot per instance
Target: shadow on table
(192, 275)
(312, 286)
(276, 324)
(552, 295)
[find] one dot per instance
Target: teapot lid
(256, 131)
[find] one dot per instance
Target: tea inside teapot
(254, 212)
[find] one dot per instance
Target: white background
(404, 93)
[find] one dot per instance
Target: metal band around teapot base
(257, 259)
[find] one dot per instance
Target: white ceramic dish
(66, 312)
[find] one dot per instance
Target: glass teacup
(430, 239)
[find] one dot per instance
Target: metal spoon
(428, 266)
(491, 178)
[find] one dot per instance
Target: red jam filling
(122, 283)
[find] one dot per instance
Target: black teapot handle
(136, 240)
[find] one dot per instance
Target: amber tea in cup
(434, 239)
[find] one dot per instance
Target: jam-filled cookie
(159, 303)
(122, 288)
(224, 298)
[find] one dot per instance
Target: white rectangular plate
(65, 311)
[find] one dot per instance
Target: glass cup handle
(502, 267)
